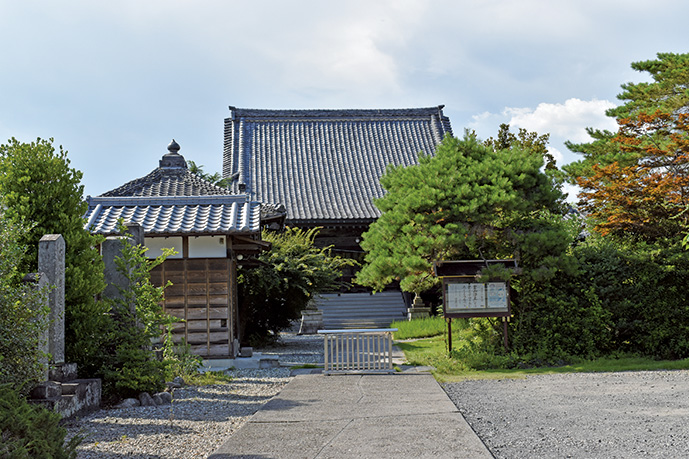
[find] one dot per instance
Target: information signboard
(465, 298)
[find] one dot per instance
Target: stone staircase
(66, 394)
(361, 310)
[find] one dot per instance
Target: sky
(114, 82)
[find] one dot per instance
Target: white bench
(366, 350)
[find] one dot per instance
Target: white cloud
(557, 154)
(564, 122)
(350, 58)
(571, 191)
(567, 121)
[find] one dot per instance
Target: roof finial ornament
(173, 160)
(173, 147)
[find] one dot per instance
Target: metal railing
(366, 350)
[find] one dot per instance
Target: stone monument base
(418, 313)
(311, 321)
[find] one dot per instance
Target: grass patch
(419, 328)
(305, 366)
(433, 352)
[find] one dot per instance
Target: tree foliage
(538, 144)
(31, 431)
(649, 197)
(128, 365)
(471, 200)
(635, 181)
(40, 187)
(289, 276)
(215, 178)
(23, 314)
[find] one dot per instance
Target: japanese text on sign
(476, 296)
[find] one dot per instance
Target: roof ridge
(165, 200)
(334, 113)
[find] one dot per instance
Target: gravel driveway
(200, 419)
(580, 415)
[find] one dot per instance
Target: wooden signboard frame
(464, 296)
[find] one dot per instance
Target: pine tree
(635, 182)
(468, 201)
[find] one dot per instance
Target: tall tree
(39, 187)
(635, 182)
(469, 201)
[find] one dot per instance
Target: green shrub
(623, 296)
(31, 431)
(39, 186)
(128, 364)
(179, 359)
(558, 319)
(273, 294)
(23, 314)
(643, 286)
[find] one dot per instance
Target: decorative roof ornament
(173, 160)
(173, 147)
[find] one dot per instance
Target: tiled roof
(325, 165)
(173, 200)
(175, 215)
(162, 182)
(171, 178)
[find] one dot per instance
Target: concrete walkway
(362, 416)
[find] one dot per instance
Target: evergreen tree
(470, 200)
(40, 187)
(635, 182)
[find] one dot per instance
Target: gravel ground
(582, 415)
(200, 419)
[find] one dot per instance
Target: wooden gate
(201, 293)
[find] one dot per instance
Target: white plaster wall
(207, 247)
(157, 244)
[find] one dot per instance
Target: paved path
(362, 416)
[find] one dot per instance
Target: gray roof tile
(175, 215)
(325, 165)
(173, 200)
(173, 181)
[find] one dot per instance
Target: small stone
(268, 363)
(176, 383)
(146, 399)
(163, 398)
(128, 403)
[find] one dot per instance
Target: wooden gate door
(201, 295)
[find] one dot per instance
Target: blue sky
(114, 82)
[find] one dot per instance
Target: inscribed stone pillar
(39, 281)
(136, 232)
(111, 248)
(51, 262)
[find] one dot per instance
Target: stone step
(74, 398)
(361, 310)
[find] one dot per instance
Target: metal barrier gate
(366, 350)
